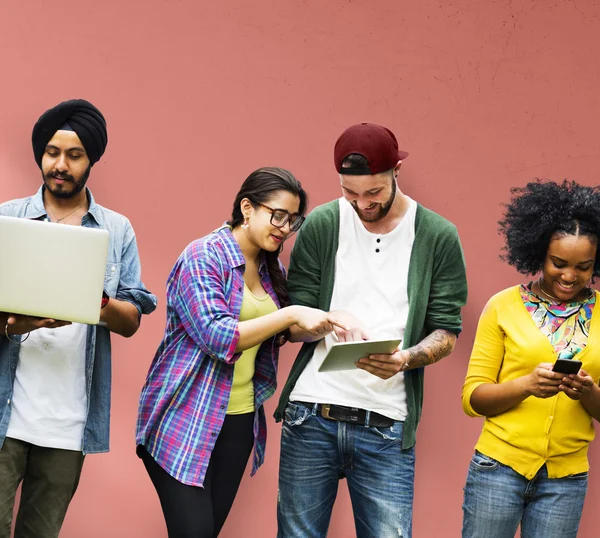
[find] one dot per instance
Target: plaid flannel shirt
(183, 402)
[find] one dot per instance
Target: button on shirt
(184, 400)
(122, 281)
(371, 282)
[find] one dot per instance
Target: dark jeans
(195, 512)
(50, 478)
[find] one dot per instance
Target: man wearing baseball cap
(55, 376)
(390, 269)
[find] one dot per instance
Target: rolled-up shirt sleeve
(196, 291)
(130, 287)
(448, 293)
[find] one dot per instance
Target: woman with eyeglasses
(201, 408)
(534, 370)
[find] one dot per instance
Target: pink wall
(484, 94)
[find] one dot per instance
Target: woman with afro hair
(530, 463)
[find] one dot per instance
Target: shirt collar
(234, 252)
(36, 209)
(94, 209)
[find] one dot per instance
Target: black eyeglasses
(280, 217)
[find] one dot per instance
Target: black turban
(82, 117)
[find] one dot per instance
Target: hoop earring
(245, 224)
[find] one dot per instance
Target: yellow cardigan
(554, 431)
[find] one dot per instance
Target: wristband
(105, 299)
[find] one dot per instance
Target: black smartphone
(566, 366)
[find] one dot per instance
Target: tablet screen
(343, 355)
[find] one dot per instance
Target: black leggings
(195, 512)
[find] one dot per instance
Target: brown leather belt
(350, 414)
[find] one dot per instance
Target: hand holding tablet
(343, 355)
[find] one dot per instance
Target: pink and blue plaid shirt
(184, 400)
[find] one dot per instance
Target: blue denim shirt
(122, 280)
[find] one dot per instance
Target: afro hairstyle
(539, 211)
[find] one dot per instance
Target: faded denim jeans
(497, 499)
(317, 452)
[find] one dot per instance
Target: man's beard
(60, 191)
(384, 208)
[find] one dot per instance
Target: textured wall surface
(484, 94)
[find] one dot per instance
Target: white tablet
(343, 355)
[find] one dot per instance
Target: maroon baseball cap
(375, 143)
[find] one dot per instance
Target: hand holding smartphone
(567, 366)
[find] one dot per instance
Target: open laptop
(52, 270)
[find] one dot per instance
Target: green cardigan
(437, 289)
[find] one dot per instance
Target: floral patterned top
(566, 325)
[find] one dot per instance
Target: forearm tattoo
(436, 346)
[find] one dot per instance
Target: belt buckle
(325, 409)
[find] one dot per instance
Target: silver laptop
(52, 270)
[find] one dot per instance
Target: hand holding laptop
(20, 324)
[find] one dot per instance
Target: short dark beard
(65, 195)
(384, 208)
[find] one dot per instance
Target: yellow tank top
(241, 399)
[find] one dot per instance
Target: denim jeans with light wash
(317, 452)
(497, 499)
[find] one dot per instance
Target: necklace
(552, 296)
(546, 293)
(57, 220)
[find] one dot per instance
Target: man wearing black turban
(55, 375)
(76, 115)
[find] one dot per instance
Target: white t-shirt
(49, 403)
(371, 282)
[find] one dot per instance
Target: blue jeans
(497, 499)
(317, 452)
